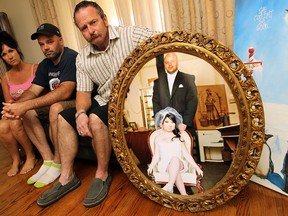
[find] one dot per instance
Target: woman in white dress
(170, 149)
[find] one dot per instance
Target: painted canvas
(261, 29)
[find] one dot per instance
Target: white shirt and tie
(171, 79)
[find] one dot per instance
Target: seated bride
(170, 154)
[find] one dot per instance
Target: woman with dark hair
(14, 82)
(170, 150)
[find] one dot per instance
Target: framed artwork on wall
(133, 125)
(212, 106)
(4, 23)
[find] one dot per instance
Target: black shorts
(43, 113)
(100, 111)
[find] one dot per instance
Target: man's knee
(29, 115)
(55, 109)
(95, 123)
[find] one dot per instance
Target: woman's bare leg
(10, 143)
(19, 133)
(174, 169)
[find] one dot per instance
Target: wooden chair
(190, 177)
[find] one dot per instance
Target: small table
(230, 135)
(137, 141)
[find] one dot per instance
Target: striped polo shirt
(100, 67)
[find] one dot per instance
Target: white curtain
(2, 68)
(142, 13)
(209, 17)
(44, 11)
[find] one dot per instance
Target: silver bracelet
(79, 114)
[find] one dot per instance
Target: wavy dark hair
(176, 130)
(85, 4)
(8, 40)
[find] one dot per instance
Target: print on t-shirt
(54, 83)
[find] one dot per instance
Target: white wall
(23, 25)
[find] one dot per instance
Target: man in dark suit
(175, 89)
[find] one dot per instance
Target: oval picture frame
(247, 98)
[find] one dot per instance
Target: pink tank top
(17, 90)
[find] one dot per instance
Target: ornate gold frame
(247, 98)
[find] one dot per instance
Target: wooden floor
(18, 198)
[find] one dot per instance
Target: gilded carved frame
(247, 98)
